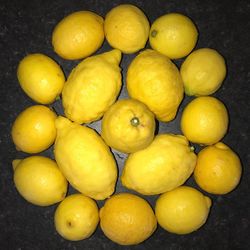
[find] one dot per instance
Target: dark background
(26, 27)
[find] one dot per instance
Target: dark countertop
(26, 27)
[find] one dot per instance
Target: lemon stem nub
(153, 33)
(135, 121)
(192, 148)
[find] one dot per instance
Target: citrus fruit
(84, 159)
(39, 180)
(162, 166)
(128, 126)
(173, 35)
(40, 77)
(154, 80)
(126, 28)
(182, 210)
(127, 219)
(78, 35)
(34, 129)
(76, 217)
(218, 169)
(203, 72)
(204, 120)
(92, 86)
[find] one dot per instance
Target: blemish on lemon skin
(154, 33)
(135, 121)
(69, 224)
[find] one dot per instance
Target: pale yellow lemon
(182, 210)
(162, 166)
(39, 180)
(128, 126)
(84, 159)
(40, 77)
(218, 169)
(203, 72)
(126, 28)
(92, 87)
(154, 80)
(78, 35)
(204, 120)
(127, 219)
(174, 35)
(34, 129)
(76, 217)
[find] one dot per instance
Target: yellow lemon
(40, 77)
(162, 166)
(76, 217)
(182, 210)
(127, 219)
(92, 87)
(126, 28)
(84, 159)
(34, 129)
(173, 35)
(39, 180)
(203, 72)
(78, 35)
(204, 120)
(154, 80)
(218, 169)
(128, 126)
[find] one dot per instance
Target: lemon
(162, 166)
(40, 77)
(84, 159)
(126, 28)
(218, 169)
(154, 80)
(76, 217)
(182, 210)
(92, 87)
(78, 35)
(128, 126)
(39, 180)
(34, 129)
(127, 219)
(173, 35)
(204, 120)
(203, 72)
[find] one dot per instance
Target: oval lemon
(40, 77)
(78, 35)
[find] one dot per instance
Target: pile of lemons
(156, 164)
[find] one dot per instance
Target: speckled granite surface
(26, 26)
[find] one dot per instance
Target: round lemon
(182, 210)
(218, 169)
(78, 35)
(34, 129)
(92, 87)
(162, 166)
(39, 180)
(84, 159)
(203, 72)
(128, 126)
(126, 28)
(154, 80)
(76, 217)
(173, 35)
(40, 77)
(127, 219)
(204, 120)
